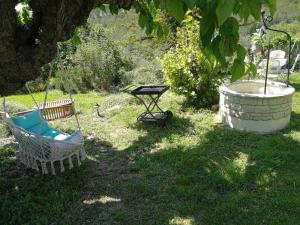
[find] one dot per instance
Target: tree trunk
(25, 49)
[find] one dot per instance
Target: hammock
(40, 146)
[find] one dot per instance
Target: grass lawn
(193, 171)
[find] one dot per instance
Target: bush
(187, 70)
(145, 75)
(96, 64)
(37, 85)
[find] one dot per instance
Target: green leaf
(237, 70)
(159, 31)
(114, 8)
(142, 20)
(176, 9)
(156, 3)
(244, 10)
(241, 52)
(216, 50)
(191, 3)
(207, 29)
(252, 69)
(102, 8)
(229, 33)
(224, 10)
(255, 9)
(75, 40)
(272, 6)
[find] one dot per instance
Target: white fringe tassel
(70, 162)
(78, 159)
(62, 168)
(52, 169)
(44, 168)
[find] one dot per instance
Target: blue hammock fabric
(34, 123)
(39, 144)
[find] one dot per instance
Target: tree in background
(27, 46)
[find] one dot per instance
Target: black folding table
(153, 93)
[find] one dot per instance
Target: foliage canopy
(219, 24)
(27, 47)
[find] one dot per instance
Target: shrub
(95, 65)
(145, 75)
(188, 71)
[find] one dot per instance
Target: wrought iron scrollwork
(266, 21)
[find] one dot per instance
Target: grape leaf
(252, 69)
(272, 6)
(229, 33)
(190, 3)
(175, 9)
(241, 52)
(237, 70)
(207, 29)
(255, 9)
(224, 10)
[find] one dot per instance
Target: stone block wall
(254, 108)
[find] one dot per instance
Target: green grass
(193, 171)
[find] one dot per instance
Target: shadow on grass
(294, 125)
(227, 177)
(27, 197)
(296, 85)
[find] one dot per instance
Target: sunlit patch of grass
(102, 199)
(182, 221)
(27, 101)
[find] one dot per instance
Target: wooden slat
(58, 109)
(52, 110)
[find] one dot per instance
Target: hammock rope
(37, 151)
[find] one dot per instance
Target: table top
(150, 90)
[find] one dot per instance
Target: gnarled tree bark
(25, 49)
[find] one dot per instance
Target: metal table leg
(149, 115)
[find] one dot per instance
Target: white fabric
(61, 137)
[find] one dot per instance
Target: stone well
(244, 106)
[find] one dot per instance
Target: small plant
(259, 46)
